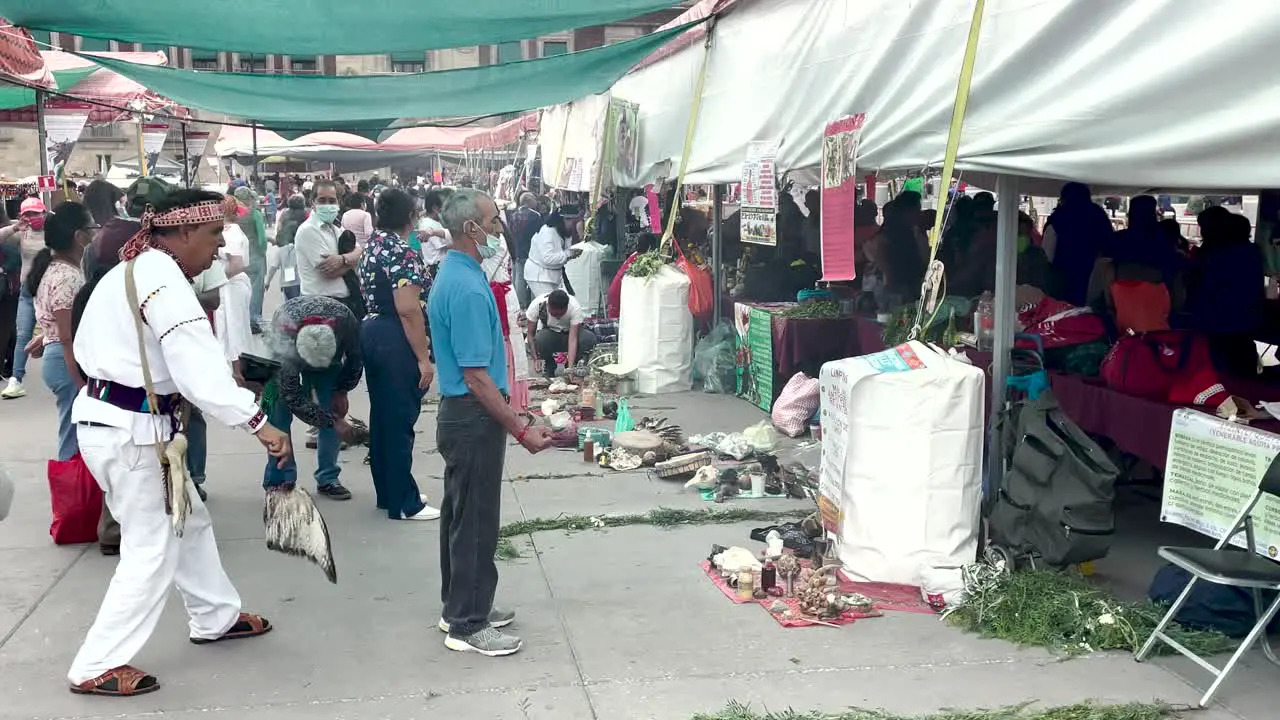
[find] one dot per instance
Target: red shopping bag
(701, 287)
(76, 500)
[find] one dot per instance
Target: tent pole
(41, 133)
(186, 161)
(254, 174)
(142, 150)
(717, 249)
(1006, 285)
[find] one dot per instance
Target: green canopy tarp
(328, 100)
(320, 27)
(16, 97)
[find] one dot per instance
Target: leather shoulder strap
(131, 292)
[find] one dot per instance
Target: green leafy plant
(1063, 612)
(647, 264)
(661, 517)
(1080, 711)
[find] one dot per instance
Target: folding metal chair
(1225, 565)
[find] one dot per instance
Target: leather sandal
(124, 681)
(249, 625)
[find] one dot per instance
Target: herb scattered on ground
(1081, 711)
(661, 517)
(1063, 612)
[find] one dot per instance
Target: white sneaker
(426, 513)
(13, 390)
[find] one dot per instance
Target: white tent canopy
(1143, 94)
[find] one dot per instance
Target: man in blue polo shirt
(472, 427)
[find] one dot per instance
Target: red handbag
(76, 500)
(1147, 365)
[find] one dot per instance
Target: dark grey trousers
(474, 447)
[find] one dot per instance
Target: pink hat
(31, 205)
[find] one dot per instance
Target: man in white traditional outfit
(121, 429)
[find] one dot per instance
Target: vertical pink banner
(655, 213)
(839, 197)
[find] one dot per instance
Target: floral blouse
(386, 254)
(57, 291)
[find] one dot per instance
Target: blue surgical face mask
(326, 213)
(492, 244)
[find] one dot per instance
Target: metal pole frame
(717, 249)
(186, 159)
(41, 133)
(1005, 311)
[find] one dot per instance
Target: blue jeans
(291, 291)
(58, 380)
(26, 328)
(391, 373)
(327, 442)
(197, 446)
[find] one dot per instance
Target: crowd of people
(403, 291)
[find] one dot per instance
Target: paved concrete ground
(618, 624)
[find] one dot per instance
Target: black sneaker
(334, 491)
(204, 496)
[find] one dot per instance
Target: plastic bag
(714, 361)
(796, 404)
(762, 437)
(942, 587)
(624, 423)
(76, 501)
(701, 289)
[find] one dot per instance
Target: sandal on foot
(123, 681)
(249, 625)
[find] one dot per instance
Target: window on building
(103, 132)
(253, 63)
(95, 45)
(303, 65)
(104, 163)
(205, 60)
(409, 62)
(511, 52)
(554, 48)
(154, 48)
(43, 38)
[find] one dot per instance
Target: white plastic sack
(942, 587)
(902, 434)
(655, 331)
(583, 273)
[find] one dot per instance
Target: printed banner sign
(196, 144)
(153, 137)
(46, 183)
(759, 194)
(62, 127)
(1213, 469)
(622, 139)
(839, 197)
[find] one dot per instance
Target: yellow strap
(953, 140)
(689, 132)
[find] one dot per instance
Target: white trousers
(538, 289)
(152, 559)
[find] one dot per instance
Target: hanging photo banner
(839, 197)
(758, 195)
(153, 137)
(196, 141)
(622, 140)
(62, 126)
